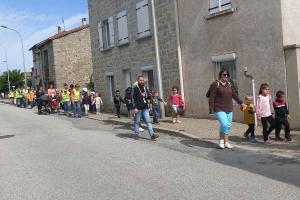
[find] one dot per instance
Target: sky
(36, 21)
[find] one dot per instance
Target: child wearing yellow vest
(249, 111)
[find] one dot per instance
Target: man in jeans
(140, 97)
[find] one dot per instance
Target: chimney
(58, 29)
(83, 21)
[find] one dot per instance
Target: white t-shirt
(98, 100)
(266, 107)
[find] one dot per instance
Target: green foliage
(16, 79)
(90, 85)
(234, 85)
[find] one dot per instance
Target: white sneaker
(178, 121)
(227, 145)
(221, 144)
(174, 120)
(141, 129)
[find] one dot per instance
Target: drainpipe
(179, 49)
(157, 58)
(253, 91)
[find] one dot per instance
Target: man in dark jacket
(141, 96)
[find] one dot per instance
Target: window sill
(123, 44)
(106, 49)
(142, 38)
(217, 14)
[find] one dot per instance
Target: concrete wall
(290, 21)
(139, 52)
(72, 59)
(253, 31)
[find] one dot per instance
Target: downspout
(253, 91)
(157, 58)
(179, 48)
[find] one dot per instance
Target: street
(58, 157)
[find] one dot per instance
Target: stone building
(63, 58)
(122, 41)
(262, 36)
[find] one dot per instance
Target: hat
(92, 92)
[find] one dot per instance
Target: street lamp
(6, 67)
(22, 52)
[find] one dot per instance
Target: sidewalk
(207, 130)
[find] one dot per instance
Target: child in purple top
(175, 98)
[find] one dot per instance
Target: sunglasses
(225, 75)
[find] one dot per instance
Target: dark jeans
(266, 131)
(118, 110)
(250, 130)
(92, 107)
(156, 114)
(279, 122)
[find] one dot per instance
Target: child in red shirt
(175, 98)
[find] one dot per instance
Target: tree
(16, 78)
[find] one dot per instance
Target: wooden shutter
(100, 35)
(120, 27)
(139, 15)
(214, 6)
(123, 28)
(225, 4)
(111, 34)
(145, 12)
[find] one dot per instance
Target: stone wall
(139, 52)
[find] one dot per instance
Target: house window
(122, 27)
(231, 67)
(128, 78)
(219, 5)
(111, 83)
(150, 79)
(106, 34)
(142, 12)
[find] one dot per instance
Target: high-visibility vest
(76, 96)
(18, 94)
(65, 95)
(11, 95)
(25, 92)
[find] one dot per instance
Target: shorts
(175, 107)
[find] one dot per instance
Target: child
(154, 105)
(86, 100)
(98, 101)
(249, 111)
(128, 101)
(175, 98)
(117, 101)
(265, 111)
(281, 116)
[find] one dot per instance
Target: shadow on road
(198, 143)
(130, 136)
(6, 136)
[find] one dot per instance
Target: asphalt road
(55, 157)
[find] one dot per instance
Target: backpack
(128, 92)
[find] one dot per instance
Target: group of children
(264, 111)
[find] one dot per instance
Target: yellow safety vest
(76, 96)
(11, 95)
(18, 94)
(65, 95)
(25, 92)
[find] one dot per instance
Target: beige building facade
(63, 58)
(240, 35)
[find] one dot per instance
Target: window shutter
(125, 28)
(111, 32)
(120, 27)
(225, 4)
(214, 6)
(100, 35)
(145, 12)
(139, 14)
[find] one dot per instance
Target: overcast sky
(35, 20)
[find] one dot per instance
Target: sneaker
(227, 145)
(278, 139)
(253, 139)
(246, 136)
(74, 116)
(79, 116)
(288, 138)
(141, 129)
(136, 137)
(97, 113)
(174, 120)
(221, 144)
(267, 142)
(119, 117)
(178, 121)
(154, 136)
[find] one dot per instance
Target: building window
(142, 12)
(219, 5)
(231, 67)
(111, 83)
(122, 27)
(106, 34)
(150, 79)
(128, 78)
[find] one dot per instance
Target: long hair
(263, 86)
(222, 71)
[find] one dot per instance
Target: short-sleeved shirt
(249, 113)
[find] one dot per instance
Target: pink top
(264, 108)
(175, 99)
(51, 92)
